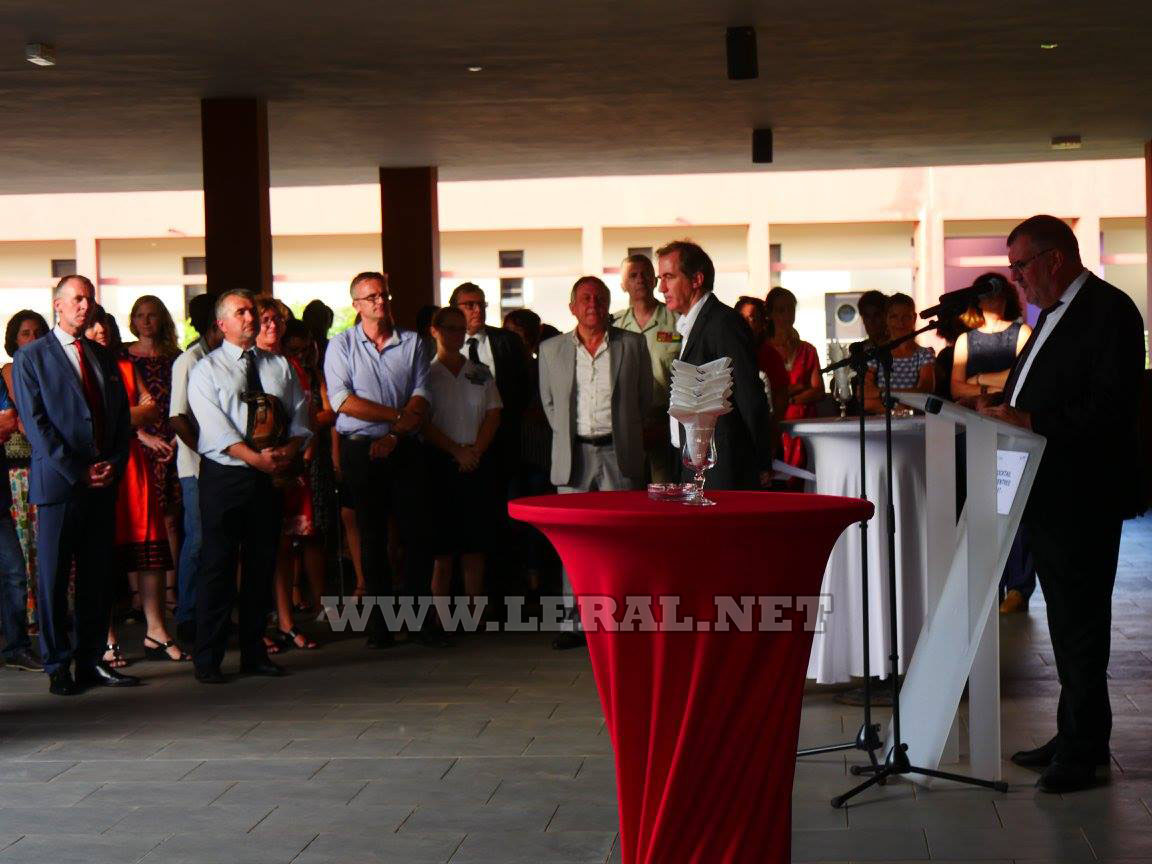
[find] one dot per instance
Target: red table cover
(704, 724)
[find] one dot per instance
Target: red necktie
(92, 396)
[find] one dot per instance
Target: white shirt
(1049, 325)
(214, 388)
(483, 349)
(187, 459)
(593, 389)
(684, 326)
(67, 341)
(684, 322)
(459, 402)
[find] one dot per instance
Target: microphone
(955, 302)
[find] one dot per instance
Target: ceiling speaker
(761, 145)
(742, 53)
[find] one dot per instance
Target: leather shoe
(1045, 755)
(1041, 757)
(210, 676)
(1014, 601)
(1063, 776)
(25, 661)
(60, 683)
(379, 643)
(103, 675)
(263, 667)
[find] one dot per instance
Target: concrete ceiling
(583, 87)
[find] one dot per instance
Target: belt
(358, 437)
(594, 440)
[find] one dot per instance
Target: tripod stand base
(867, 739)
(897, 765)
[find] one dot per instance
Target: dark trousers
(240, 519)
(13, 588)
(383, 488)
(79, 530)
(1076, 564)
(1020, 568)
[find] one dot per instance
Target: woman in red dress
(299, 520)
(141, 538)
(805, 384)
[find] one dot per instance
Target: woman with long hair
(299, 513)
(801, 362)
(152, 356)
(23, 327)
(141, 537)
(985, 355)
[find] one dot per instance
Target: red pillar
(237, 225)
(410, 239)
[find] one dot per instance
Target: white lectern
(960, 641)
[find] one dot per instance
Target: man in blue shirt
(377, 378)
(229, 392)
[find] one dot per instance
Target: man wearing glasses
(377, 378)
(1077, 383)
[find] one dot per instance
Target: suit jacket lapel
(69, 370)
(615, 355)
(698, 325)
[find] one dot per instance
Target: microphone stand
(868, 736)
(897, 764)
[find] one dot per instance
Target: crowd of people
(234, 472)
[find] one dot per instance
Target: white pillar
(1087, 232)
(88, 260)
(759, 255)
(592, 250)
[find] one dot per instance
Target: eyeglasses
(472, 304)
(372, 298)
(1017, 267)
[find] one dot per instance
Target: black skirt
(471, 500)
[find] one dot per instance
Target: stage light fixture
(742, 63)
(40, 54)
(1066, 142)
(475, 68)
(762, 145)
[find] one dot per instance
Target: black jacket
(1083, 392)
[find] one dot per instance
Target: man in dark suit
(712, 330)
(1077, 383)
(75, 412)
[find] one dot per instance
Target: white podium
(960, 641)
(833, 447)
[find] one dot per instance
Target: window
(194, 266)
(62, 267)
(511, 288)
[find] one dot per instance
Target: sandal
(116, 661)
(298, 640)
(134, 614)
(159, 650)
(271, 646)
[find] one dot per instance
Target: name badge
(668, 336)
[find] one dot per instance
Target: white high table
(833, 447)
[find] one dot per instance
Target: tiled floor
(494, 751)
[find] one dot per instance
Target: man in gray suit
(596, 387)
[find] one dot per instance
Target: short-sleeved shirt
(390, 376)
(906, 370)
(459, 402)
(214, 389)
(187, 459)
(664, 342)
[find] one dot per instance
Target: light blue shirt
(214, 388)
(389, 376)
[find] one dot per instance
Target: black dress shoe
(210, 676)
(1062, 776)
(103, 675)
(60, 683)
(25, 661)
(1045, 755)
(379, 643)
(1041, 757)
(263, 667)
(568, 641)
